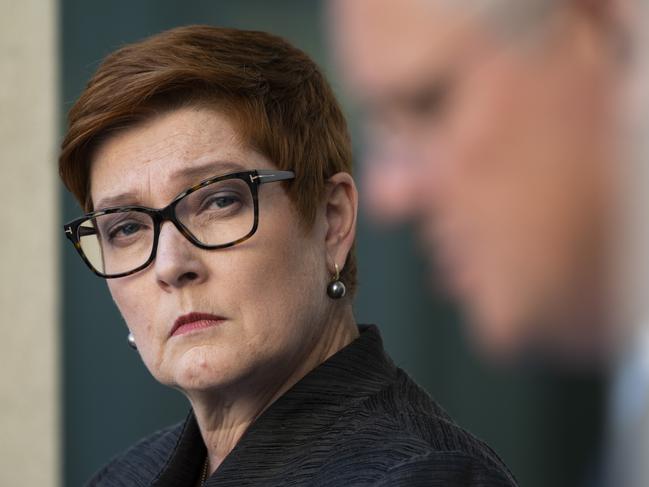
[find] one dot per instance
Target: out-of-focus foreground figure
(495, 127)
(502, 129)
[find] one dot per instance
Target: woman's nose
(178, 262)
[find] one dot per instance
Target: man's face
(499, 149)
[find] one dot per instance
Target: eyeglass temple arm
(86, 231)
(268, 176)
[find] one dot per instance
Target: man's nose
(392, 180)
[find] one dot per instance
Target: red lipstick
(194, 321)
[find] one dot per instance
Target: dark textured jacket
(355, 420)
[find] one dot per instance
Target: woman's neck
(223, 416)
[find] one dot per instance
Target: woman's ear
(341, 210)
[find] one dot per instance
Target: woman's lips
(194, 321)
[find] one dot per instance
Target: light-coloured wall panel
(29, 243)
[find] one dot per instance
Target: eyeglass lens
(217, 214)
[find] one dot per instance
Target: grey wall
(544, 425)
(29, 214)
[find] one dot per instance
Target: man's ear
(341, 211)
(614, 19)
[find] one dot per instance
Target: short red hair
(273, 92)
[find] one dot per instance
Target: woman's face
(268, 292)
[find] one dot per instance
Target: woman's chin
(200, 368)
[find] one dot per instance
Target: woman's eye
(124, 230)
(223, 201)
(220, 202)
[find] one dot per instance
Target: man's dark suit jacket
(356, 420)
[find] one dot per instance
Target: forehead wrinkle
(138, 185)
(154, 172)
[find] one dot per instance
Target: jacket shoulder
(416, 413)
(449, 468)
(408, 439)
(142, 463)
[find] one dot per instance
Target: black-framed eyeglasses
(216, 213)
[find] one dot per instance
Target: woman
(214, 166)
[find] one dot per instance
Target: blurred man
(496, 126)
(502, 128)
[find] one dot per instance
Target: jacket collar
(357, 371)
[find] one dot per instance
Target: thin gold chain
(204, 474)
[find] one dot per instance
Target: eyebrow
(190, 175)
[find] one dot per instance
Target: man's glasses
(216, 213)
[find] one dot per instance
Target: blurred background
(67, 341)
